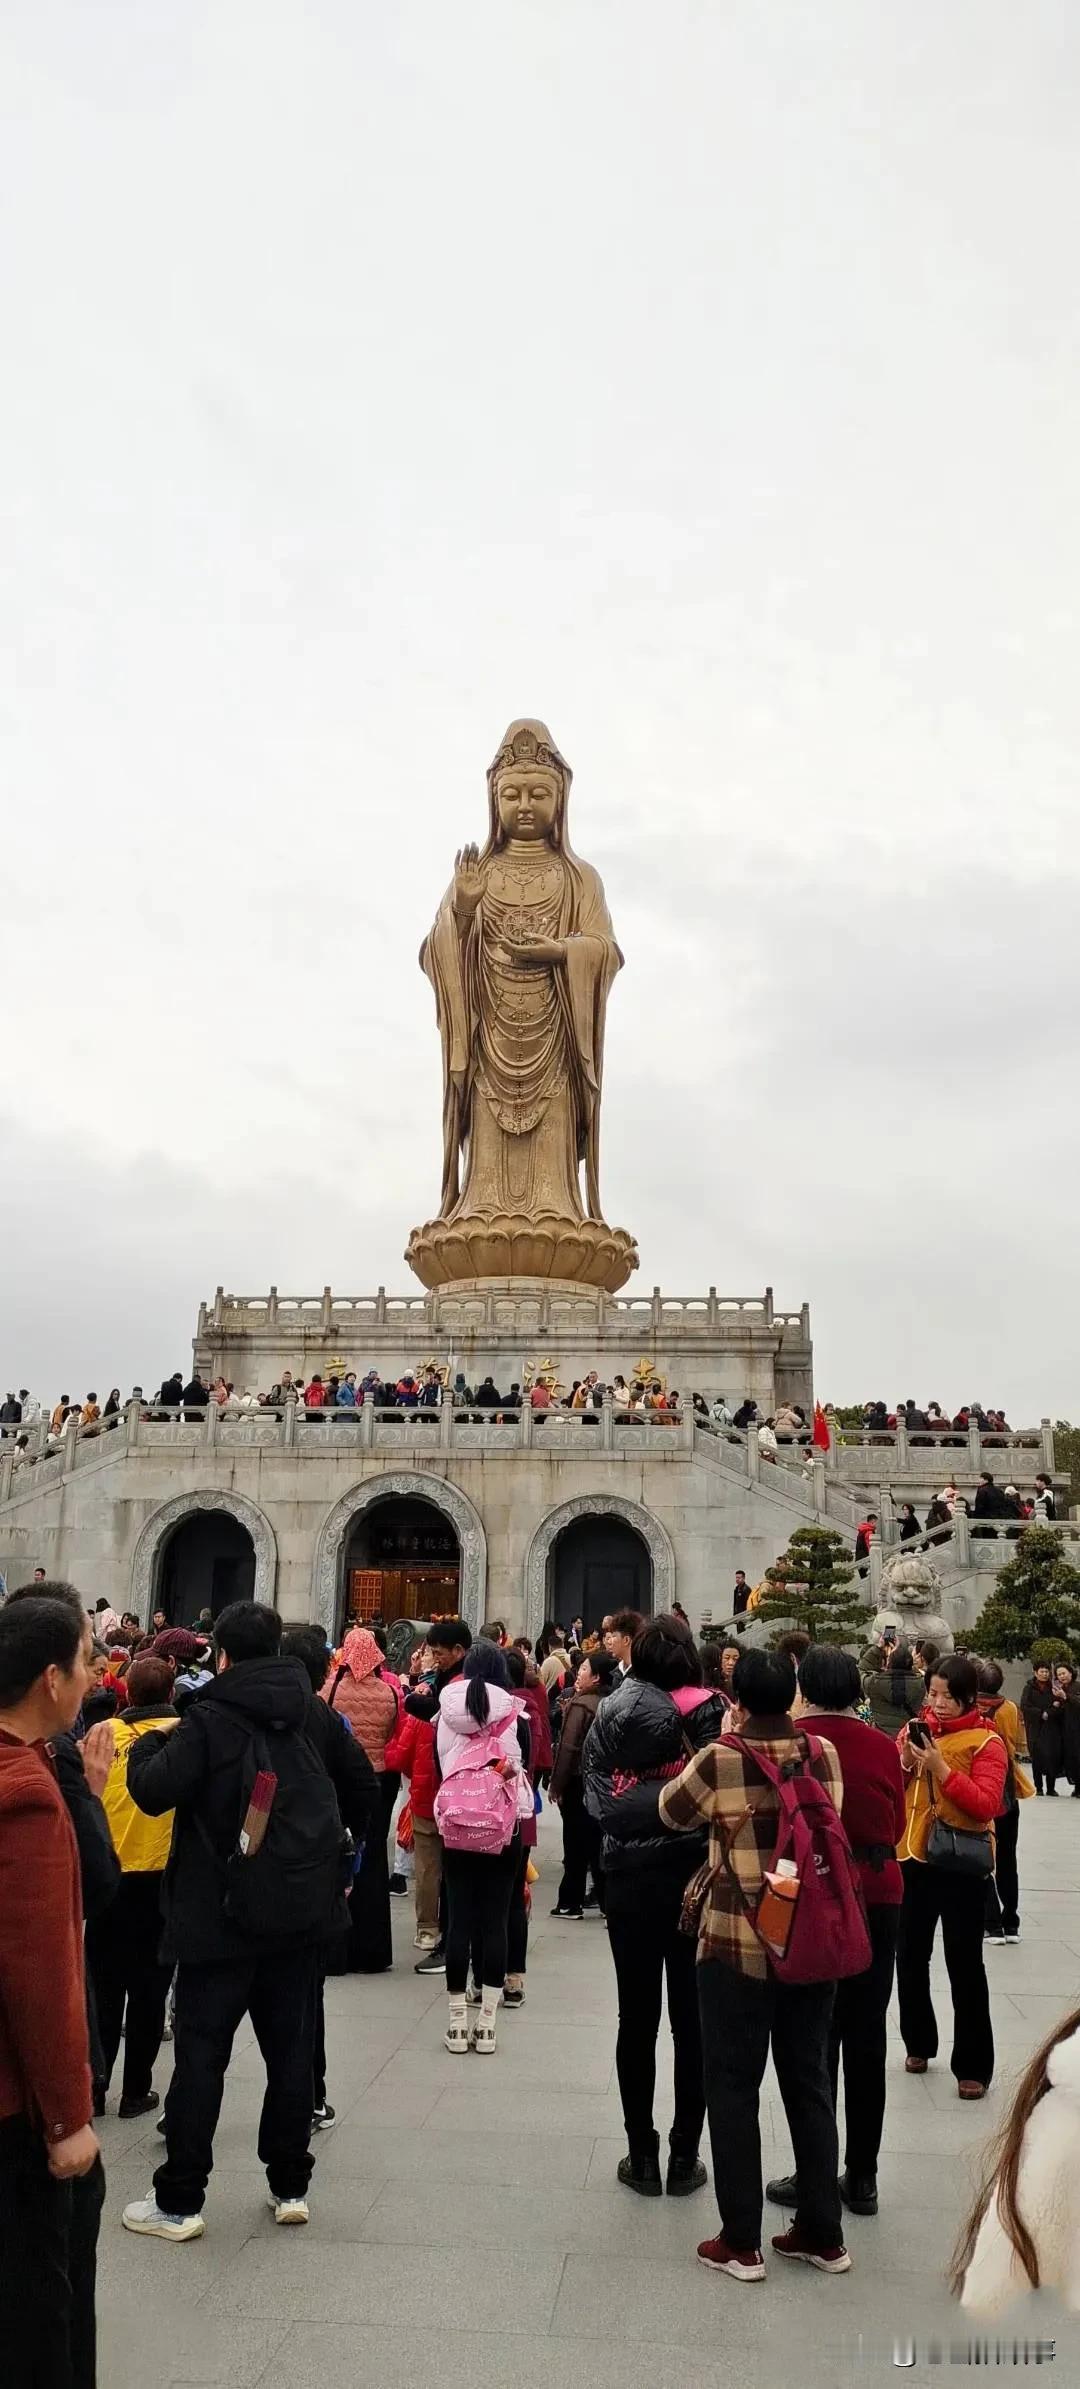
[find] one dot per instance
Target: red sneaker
(825, 2260)
(743, 2264)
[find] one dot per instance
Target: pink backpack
(829, 1936)
(476, 1807)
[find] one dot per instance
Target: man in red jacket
(46, 2138)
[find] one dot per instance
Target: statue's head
(528, 785)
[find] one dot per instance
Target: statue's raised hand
(468, 882)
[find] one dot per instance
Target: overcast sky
(700, 377)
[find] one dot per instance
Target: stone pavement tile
(398, 1993)
(603, 2221)
(340, 2356)
(1039, 2012)
(680, 2300)
(142, 2273)
(306, 2279)
(380, 2103)
(476, 2154)
(164, 2345)
(514, 2101)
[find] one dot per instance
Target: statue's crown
(526, 747)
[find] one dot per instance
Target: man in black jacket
(202, 1768)
(360, 1807)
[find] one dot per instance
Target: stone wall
(708, 1344)
(103, 1523)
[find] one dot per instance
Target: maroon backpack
(829, 1937)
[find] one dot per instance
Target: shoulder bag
(955, 1849)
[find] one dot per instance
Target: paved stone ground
(466, 2223)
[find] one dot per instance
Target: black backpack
(288, 1890)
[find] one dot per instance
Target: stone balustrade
(445, 1310)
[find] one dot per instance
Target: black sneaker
(576, 1913)
(143, 2106)
(684, 2176)
(784, 2192)
(398, 1886)
(514, 1998)
(433, 1963)
(324, 2118)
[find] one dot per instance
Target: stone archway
(455, 1506)
(596, 1505)
(158, 1528)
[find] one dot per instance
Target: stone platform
(709, 1344)
(466, 2223)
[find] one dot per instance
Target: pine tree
(1036, 1594)
(813, 1585)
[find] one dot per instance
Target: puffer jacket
(371, 1708)
(141, 1843)
(411, 1751)
(641, 1740)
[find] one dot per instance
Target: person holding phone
(954, 1767)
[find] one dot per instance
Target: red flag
(820, 1437)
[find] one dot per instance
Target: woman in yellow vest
(122, 1944)
(955, 1768)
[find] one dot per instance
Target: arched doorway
(207, 1561)
(402, 1559)
(598, 1565)
(555, 1588)
(192, 1565)
(433, 1493)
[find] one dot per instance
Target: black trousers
(122, 1953)
(647, 1948)
(740, 2016)
(517, 1922)
(581, 1842)
(277, 1990)
(959, 1903)
(48, 2260)
(478, 1897)
(858, 2038)
(1002, 1913)
(318, 2043)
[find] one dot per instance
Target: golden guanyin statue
(521, 958)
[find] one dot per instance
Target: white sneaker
(425, 1941)
(484, 2038)
(456, 2037)
(288, 2210)
(145, 2215)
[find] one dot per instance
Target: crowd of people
(338, 1396)
(195, 1829)
(927, 1423)
(990, 1501)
